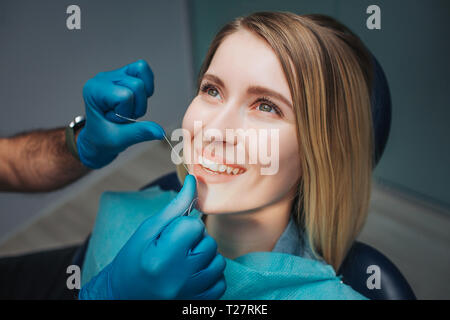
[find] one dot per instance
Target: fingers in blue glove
(161, 257)
(184, 198)
(137, 87)
(106, 96)
(215, 292)
(140, 69)
(125, 92)
(176, 208)
(204, 279)
(182, 234)
(141, 131)
(208, 276)
(204, 252)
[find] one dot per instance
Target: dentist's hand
(168, 257)
(124, 91)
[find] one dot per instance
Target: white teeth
(213, 166)
(207, 161)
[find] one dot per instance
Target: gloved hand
(170, 256)
(125, 92)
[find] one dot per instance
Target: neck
(259, 230)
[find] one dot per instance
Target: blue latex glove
(124, 91)
(170, 256)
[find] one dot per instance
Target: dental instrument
(188, 211)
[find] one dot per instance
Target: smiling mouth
(219, 168)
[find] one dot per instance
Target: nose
(222, 126)
(221, 137)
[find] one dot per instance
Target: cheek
(188, 132)
(190, 116)
(284, 183)
(282, 145)
(194, 120)
(289, 158)
(289, 146)
(197, 111)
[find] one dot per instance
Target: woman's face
(244, 92)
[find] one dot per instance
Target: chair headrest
(354, 271)
(381, 110)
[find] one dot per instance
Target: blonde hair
(329, 72)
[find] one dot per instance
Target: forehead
(244, 59)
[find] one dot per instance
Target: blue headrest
(381, 110)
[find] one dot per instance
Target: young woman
(307, 78)
(319, 74)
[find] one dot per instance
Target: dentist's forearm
(37, 161)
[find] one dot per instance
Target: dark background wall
(43, 67)
(413, 48)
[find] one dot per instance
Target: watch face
(79, 119)
(77, 122)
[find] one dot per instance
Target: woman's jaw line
(244, 214)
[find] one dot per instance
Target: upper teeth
(218, 167)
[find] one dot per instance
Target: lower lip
(207, 176)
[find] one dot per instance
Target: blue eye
(269, 106)
(210, 90)
(215, 92)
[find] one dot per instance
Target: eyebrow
(257, 90)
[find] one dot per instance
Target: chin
(211, 204)
(208, 205)
(215, 204)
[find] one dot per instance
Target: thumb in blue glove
(124, 91)
(168, 257)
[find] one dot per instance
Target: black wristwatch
(71, 130)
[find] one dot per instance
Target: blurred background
(44, 67)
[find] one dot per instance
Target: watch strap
(70, 135)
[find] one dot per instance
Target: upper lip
(218, 159)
